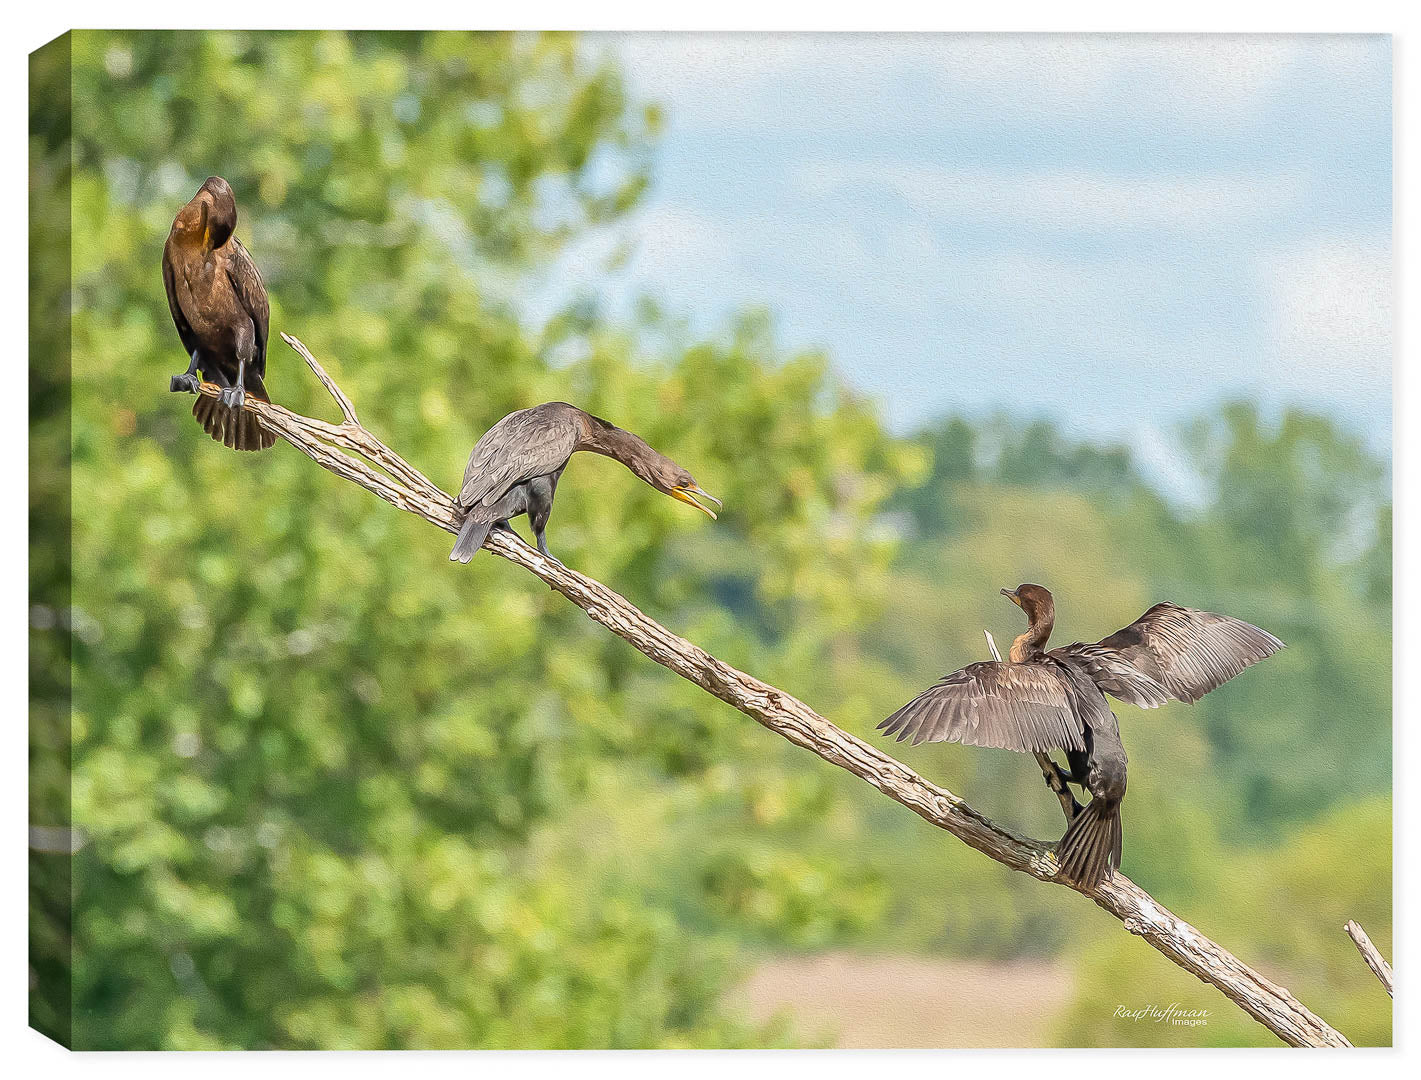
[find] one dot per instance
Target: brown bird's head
(1035, 601)
(666, 476)
(651, 466)
(210, 217)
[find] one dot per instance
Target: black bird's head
(210, 217)
(1035, 600)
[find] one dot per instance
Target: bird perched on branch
(514, 469)
(1039, 701)
(220, 308)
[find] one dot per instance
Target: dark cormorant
(1040, 701)
(514, 469)
(219, 305)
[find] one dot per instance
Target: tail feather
(1092, 844)
(471, 538)
(241, 432)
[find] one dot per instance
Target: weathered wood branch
(332, 445)
(1380, 968)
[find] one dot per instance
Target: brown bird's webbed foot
(188, 381)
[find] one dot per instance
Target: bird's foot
(186, 383)
(232, 397)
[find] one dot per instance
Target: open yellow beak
(1011, 595)
(685, 495)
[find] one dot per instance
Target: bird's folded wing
(1024, 707)
(189, 339)
(247, 283)
(518, 448)
(1173, 652)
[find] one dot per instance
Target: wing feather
(1173, 652)
(185, 334)
(1023, 707)
(523, 445)
(251, 293)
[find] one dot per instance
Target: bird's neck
(600, 437)
(1031, 644)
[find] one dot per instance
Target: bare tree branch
(1380, 968)
(331, 446)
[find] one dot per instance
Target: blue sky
(1116, 231)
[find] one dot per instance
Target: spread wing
(1024, 707)
(251, 293)
(533, 442)
(185, 333)
(1173, 652)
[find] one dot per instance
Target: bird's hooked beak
(685, 492)
(1011, 595)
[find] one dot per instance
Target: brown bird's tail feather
(471, 538)
(242, 432)
(1092, 844)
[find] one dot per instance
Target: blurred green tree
(310, 757)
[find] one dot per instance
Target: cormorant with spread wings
(1039, 701)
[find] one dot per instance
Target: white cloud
(1187, 69)
(1228, 65)
(715, 78)
(671, 238)
(1332, 312)
(1061, 200)
(695, 63)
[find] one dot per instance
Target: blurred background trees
(336, 793)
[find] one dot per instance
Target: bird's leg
(1079, 762)
(188, 381)
(539, 511)
(543, 547)
(1056, 779)
(234, 396)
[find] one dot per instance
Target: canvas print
(710, 540)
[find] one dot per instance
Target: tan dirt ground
(852, 1000)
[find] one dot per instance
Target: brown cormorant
(219, 305)
(514, 470)
(1040, 701)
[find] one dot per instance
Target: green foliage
(50, 658)
(309, 755)
(338, 793)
